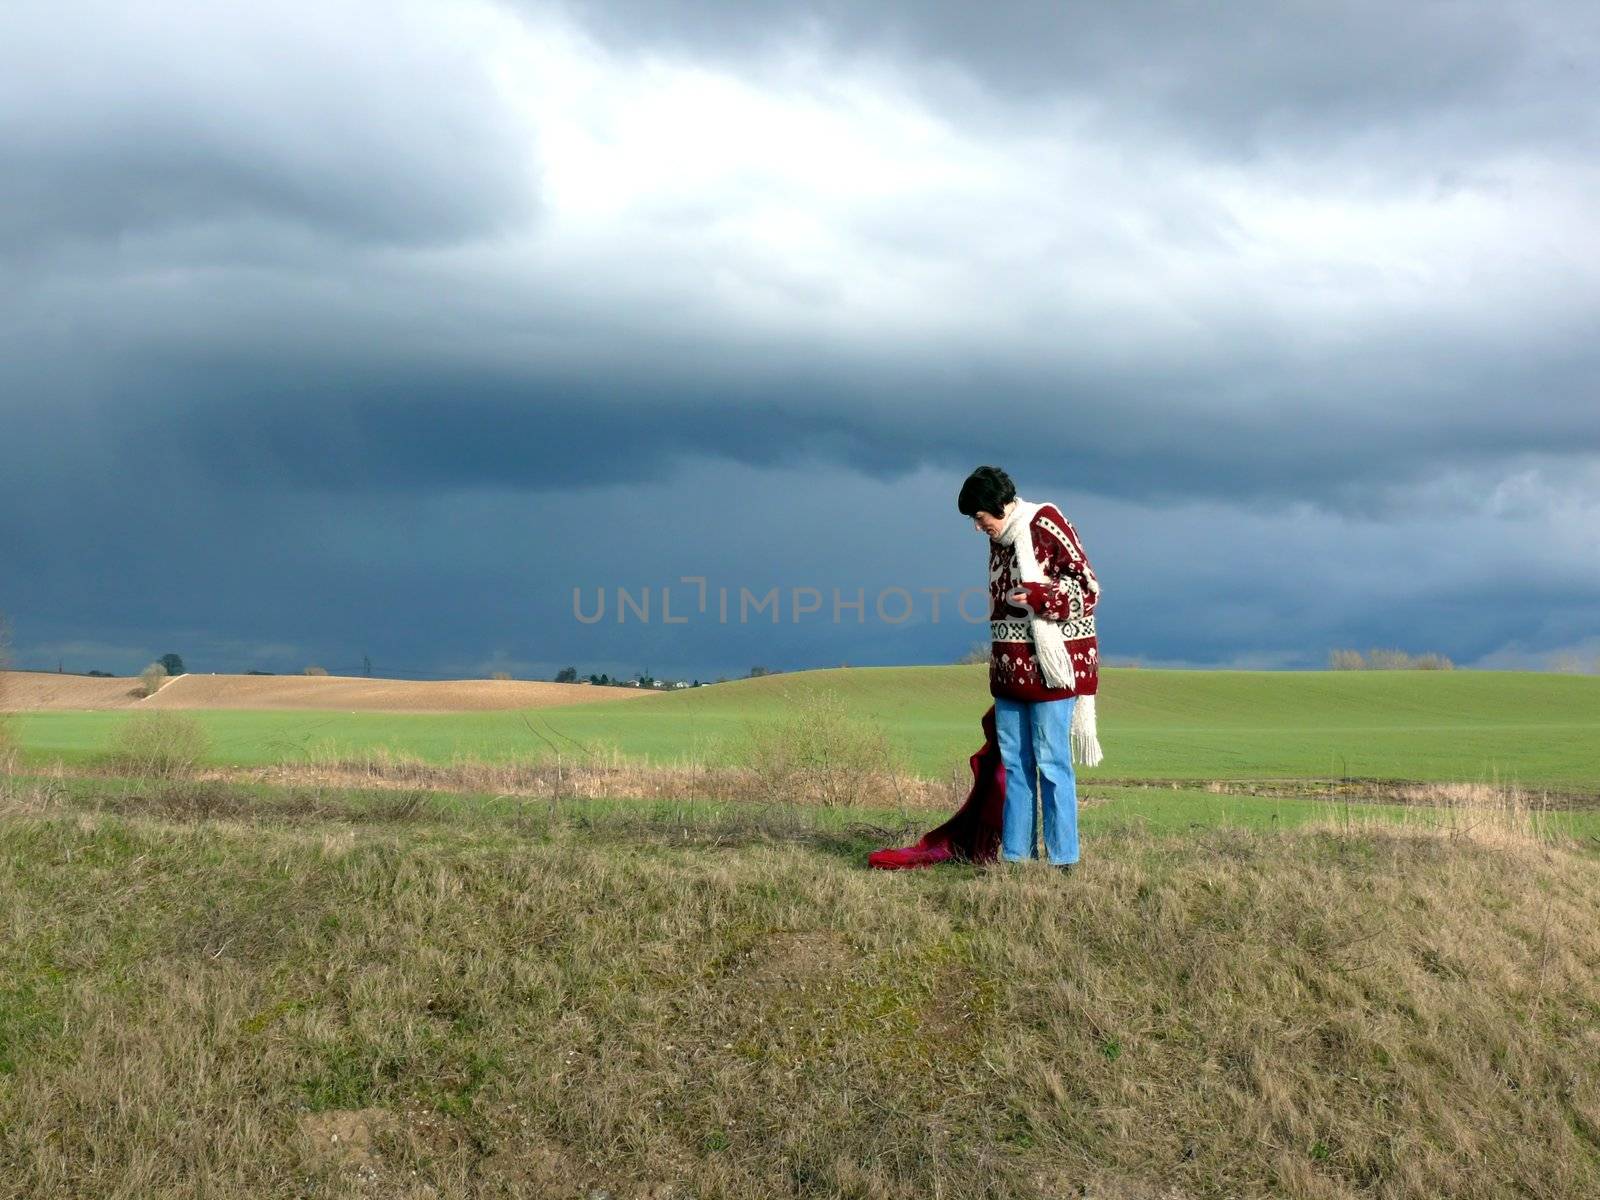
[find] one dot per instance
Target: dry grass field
(214, 990)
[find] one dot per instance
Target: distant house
(680, 684)
(633, 683)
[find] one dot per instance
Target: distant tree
(1390, 659)
(567, 675)
(500, 675)
(696, 683)
(172, 662)
(978, 652)
(605, 680)
(366, 665)
(259, 672)
(315, 670)
(1387, 659)
(757, 672)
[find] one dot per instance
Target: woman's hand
(1019, 599)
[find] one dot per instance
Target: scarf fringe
(1085, 735)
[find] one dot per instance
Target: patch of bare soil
(378, 1147)
(789, 959)
(346, 1138)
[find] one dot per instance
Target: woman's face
(988, 523)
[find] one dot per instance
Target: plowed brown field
(26, 691)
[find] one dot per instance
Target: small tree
(1346, 660)
(976, 653)
(502, 676)
(757, 672)
(567, 675)
(172, 663)
(152, 677)
(315, 670)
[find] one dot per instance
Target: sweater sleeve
(1070, 589)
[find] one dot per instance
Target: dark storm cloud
(380, 420)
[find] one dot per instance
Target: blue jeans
(1037, 734)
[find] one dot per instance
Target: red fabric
(1013, 671)
(973, 833)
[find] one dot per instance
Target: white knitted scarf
(1049, 646)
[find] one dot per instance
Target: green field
(1535, 731)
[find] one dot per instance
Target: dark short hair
(988, 489)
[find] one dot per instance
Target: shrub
(817, 752)
(315, 670)
(152, 677)
(978, 652)
(160, 745)
(1387, 660)
(501, 675)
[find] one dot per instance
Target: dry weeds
(8, 746)
(815, 751)
(605, 774)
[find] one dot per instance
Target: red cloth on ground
(972, 834)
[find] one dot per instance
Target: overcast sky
(377, 327)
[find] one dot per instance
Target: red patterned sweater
(1069, 597)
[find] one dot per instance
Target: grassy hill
(233, 993)
(1539, 731)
